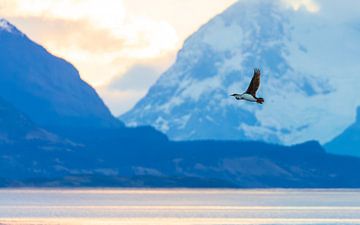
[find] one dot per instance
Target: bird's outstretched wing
(254, 84)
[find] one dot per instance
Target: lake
(178, 206)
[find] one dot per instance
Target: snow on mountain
(4, 25)
(310, 74)
(46, 88)
(8, 27)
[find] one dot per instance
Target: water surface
(178, 207)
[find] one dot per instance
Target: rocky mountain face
(46, 88)
(309, 74)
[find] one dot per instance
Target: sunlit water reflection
(179, 207)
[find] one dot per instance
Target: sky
(120, 47)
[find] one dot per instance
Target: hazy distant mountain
(46, 88)
(126, 162)
(30, 152)
(15, 127)
(310, 68)
(25, 148)
(348, 143)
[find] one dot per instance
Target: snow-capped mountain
(310, 76)
(46, 88)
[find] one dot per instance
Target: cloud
(143, 37)
(119, 100)
(137, 78)
(62, 34)
(102, 13)
(124, 91)
(309, 5)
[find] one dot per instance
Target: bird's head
(237, 96)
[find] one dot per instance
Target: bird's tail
(260, 100)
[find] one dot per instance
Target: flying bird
(250, 94)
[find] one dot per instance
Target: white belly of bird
(249, 98)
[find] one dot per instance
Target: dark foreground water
(178, 207)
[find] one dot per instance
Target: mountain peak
(8, 27)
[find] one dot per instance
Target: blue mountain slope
(46, 88)
(15, 127)
(25, 147)
(348, 143)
